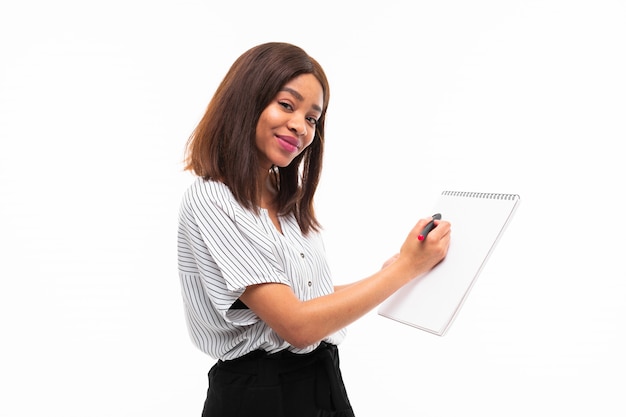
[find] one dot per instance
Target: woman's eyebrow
(299, 97)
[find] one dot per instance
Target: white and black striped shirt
(223, 248)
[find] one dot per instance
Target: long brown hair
(222, 147)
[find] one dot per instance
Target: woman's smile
(289, 143)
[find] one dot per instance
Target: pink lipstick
(288, 143)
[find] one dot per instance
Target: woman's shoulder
(208, 185)
(203, 192)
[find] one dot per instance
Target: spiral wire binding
(492, 196)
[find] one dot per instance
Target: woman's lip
(288, 143)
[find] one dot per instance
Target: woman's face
(287, 125)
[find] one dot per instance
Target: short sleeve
(231, 247)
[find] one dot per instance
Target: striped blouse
(223, 248)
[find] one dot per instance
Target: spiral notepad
(432, 301)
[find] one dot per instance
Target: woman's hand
(422, 256)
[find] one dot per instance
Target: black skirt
(282, 384)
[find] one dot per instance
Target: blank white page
(432, 301)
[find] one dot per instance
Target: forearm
(387, 263)
(315, 319)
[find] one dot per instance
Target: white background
(97, 100)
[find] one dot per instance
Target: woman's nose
(298, 126)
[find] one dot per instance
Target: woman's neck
(267, 191)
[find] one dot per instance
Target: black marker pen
(429, 226)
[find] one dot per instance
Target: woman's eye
(285, 105)
(312, 121)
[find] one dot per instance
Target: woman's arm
(386, 264)
(302, 323)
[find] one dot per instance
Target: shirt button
(301, 255)
(310, 283)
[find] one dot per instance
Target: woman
(256, 286)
